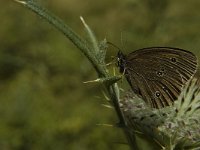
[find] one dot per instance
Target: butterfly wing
(158, 74)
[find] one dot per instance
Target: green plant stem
(68, 32)
(89, 53)
(114, 94)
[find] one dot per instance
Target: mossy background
(43, 101)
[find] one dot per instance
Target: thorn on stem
(21, 2)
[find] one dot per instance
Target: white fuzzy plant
(170, 128)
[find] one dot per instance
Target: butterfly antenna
(114, 45)
(113, 58)
(122, 43)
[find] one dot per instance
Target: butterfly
(158, 74)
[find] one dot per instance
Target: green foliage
(43, 101)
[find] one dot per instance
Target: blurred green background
(43, 101)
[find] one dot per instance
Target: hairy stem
(90, 53)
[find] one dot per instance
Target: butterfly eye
(157, 94)
(173, 59)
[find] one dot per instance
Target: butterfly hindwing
(158, 74)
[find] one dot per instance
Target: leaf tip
(21, 2)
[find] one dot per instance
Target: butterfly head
(121, 61)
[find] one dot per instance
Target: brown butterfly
(157, 74)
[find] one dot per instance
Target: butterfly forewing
(158, 74)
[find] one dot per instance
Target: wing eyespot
(173, 60)
(160, 73)
(157, 94)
